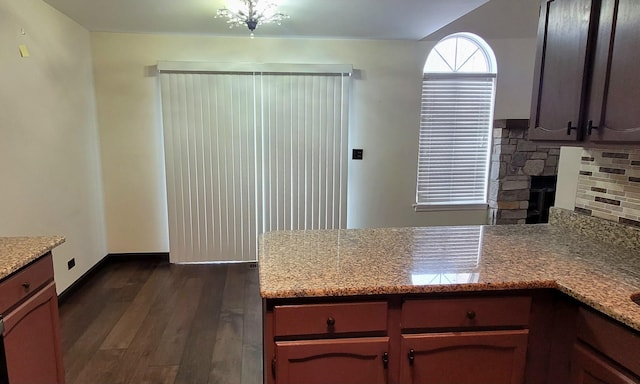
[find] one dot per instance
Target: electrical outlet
(71, 263)
(357, 154)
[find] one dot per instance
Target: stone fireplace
(514, 161)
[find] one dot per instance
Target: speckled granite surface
(596, 228)
(450, 259)
(16, 252)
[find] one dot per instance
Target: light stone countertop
(16, 252)
(354, 262)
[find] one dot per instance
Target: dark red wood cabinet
(604, 352)
(496, 357)
(397, 339)
(353, 360)
(512, 337)
(586, 82)
(31, 333)
(588, 367)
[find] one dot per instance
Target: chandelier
(251, 13)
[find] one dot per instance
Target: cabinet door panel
(587, 368)
(348, 361)
(32, 340)
(558, 94)
(464, 358)
(615, 89)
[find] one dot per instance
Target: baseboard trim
(64, 295)
(147, 256)
(108, 259)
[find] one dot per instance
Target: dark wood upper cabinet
(561, 69)
(615, 88)
(586, 82)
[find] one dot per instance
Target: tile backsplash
(609, 185)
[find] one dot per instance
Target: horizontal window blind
(446, 249)
(454, 142)
(446, 255)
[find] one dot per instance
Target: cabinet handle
(590, 127)
(471, 315)
(385, 360)
(273, 367)
(412, 356)
(331, 322)
(570, 128)
(26, 286)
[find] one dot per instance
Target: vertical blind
(251, 152)
(304, 128)
(454, 143)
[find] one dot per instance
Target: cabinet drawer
(457, 313)
(611, 339)
(313, 319)
(24, 282)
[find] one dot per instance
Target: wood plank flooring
(148, 322)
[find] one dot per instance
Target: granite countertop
(16, 252)
(353, 262)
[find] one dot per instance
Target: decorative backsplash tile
(609, 185)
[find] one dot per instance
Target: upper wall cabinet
(587, 82)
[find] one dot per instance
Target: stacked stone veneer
(513, 161)
(609, 185)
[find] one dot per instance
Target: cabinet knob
(331, 322)
(26, 285)
(471, 315)
(412, 356)
(385, 359)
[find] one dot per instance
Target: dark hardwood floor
(149, 322)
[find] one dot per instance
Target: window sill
(451, 207)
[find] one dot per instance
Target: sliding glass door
(249, 152)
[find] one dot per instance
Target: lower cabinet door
(496, 357)
(588, 368)
(343, 361)
(32, 340)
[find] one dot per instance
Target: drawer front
(611, 339)
(25, 282)
(464, 313)
(316, 319)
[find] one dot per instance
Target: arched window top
(461, 53)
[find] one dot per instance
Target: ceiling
(349, 19)
(497, 19)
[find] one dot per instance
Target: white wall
(568, 172)
(49, 155)
(384, 122)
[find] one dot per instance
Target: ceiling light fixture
(251, 13)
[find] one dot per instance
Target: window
(458, 90)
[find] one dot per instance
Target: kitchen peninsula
(30, 349)
(510, 304)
